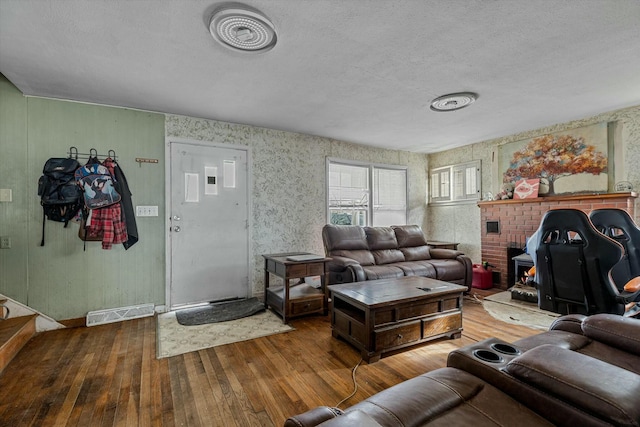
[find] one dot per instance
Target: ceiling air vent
(242, 29)
(453, 101)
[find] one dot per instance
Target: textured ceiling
(359, 71)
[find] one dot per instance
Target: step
(14, 334)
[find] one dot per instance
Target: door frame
(167, 198)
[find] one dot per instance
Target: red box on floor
(482, 277)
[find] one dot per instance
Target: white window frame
(371, 166)
(455, 184)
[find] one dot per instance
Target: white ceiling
(362, 71)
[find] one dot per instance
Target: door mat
(174, 339)
(219, 312)
(502, 307)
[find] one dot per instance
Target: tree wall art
(574, 161)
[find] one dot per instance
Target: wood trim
(79, 322)
(14, 335)
(603, 196)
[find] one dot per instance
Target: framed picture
(526, 189)
(572, 161)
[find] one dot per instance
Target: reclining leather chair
(574, 263)
(618, 225)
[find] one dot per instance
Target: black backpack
(60, 196)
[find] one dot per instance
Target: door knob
(176, 218)
(176, 228)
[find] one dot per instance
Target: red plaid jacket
(108, 221)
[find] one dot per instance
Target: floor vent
(118, 314)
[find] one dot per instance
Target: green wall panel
(15, 176)
(63, 280)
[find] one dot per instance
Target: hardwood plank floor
(108, 375)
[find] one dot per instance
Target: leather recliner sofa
(369, 253)
(584, 371)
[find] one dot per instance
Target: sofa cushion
(448, 270)
(417, 268)
(381, 238)
(387, 256)
(409, 236)
(614, 330)
(374, 272)
(416, 253)
(587, 383)
(364, 257)
(446, 397)
(345, 237)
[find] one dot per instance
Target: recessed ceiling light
(242, 29)
(453, 101)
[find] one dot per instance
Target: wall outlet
(5, 242)
(146, 211)
(5, 195)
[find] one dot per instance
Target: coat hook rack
(142, 160)
(73, 153)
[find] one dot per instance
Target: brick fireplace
(508, 223)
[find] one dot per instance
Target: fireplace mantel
(569, 198)
(508, 223)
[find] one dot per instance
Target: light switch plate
(146, 211)
(5, 195)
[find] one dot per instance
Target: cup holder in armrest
(505, 349)
(487, 356)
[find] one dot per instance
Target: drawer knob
(400, 336)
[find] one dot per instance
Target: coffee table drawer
(441, 324)
(451, 303)
(397, 335)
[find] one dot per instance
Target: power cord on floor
(473, 298)
(355, 385)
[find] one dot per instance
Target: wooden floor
(108, 375)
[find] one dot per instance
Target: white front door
(208, 234)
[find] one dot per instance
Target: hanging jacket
(127, 206)
(108, 220)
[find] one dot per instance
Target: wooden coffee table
(377, 316)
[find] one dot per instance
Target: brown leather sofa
(607, 337)
(554, 378)
(369, 253)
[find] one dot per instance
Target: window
(455, 183)
(366, 194)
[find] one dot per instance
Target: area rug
(219, 312)
(174, 339)
(500, 306)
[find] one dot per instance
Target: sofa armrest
(584, 382)
(444, 253)
(338, 270)
(614, 330)
(313, 417)
(569, 323)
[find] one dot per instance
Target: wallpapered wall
(64, 281)
(289, 182)
(462, 223)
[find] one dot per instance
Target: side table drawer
(306, 306)
(397, 335)
(316, 269)
(305, 270)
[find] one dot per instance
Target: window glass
(352, 187)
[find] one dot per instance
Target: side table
(298, 299)
(442, 245)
